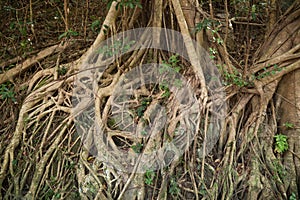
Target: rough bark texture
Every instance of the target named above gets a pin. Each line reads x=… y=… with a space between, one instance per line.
x=44 y=156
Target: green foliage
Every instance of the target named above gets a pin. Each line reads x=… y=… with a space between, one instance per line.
x=20 y=26
x=174 y=189
x=125 y=3
x=117 y=48
x=170 y=68
x=15 y=162
x=174 y=61
x=244 y=8
x=203 y=190
x=91 y=189
x=96 y=26
x=137 y=148
x=70 y=165
x=172 y=64
x=143 y=132
x=129 y=4
x=24 y=44
x=142 y=108
x=212 y=53
x=253 y=11
x=217 y=40
x=281 y=143
x=293 y=196
x=265 y=73
x=49 y=193
x=111 y=122
x=178 y=83
x=279 y=169
x=7 y=91
x=164 y=68
x=62 y=70
x=149 y=176
x=68 y=34
x=19 y=29
x=140 y=111
x=289 y=125
x=235 y=78
x=206 y=24
x=42 y=82
x=164 y=86
x=209 y=24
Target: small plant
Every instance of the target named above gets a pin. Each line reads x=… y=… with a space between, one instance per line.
x=265 y=73
x=212 y=53
x=165 y=87
x=68 y=34
x=7 y=91
x=174 y=189
x=281 y=143
x=178 y=83
x=253 y=11
x=293 y=196
x=218 y=40
x=288 y=125
x=70 y=165
x=20 y=26
x=170 y=68
x=206 y=24
x=96 y=26
x=62 y=71
x=137 y=148
x=142 y=108
x=279 y=169
x=129 y=4
x=143 y=132
x=149 y=176
x=174 y=61
x=125 y=3
x=48 y=192
x=203 y=190
x=117 y=48
x=235 y=78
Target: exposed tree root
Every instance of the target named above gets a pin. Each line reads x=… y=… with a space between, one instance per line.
x=45 y=156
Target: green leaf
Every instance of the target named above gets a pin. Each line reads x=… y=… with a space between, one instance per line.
x=178 y=83
x=63 y=35
x=14 y=162
x=73 y=33
x=140 y=110
x=143 y=132
x=253 y=11
x=281 y=143
x=137 y=148
x=174 y=189
x=293 y=196
x=288 y=125
x=149 y=176
x=177 y=69
x=7 y=92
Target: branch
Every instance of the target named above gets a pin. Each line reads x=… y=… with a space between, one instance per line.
x=190 y=48
x=10 y=74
